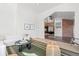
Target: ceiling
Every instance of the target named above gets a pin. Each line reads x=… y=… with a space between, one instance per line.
x=64 y=15
x=41 y=7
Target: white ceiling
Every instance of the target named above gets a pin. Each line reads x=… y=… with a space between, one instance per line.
x=65 y=15
x=41 y=7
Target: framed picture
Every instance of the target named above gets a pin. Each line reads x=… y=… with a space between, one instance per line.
x=32 y=26
x=26 y=26
x=29 y=26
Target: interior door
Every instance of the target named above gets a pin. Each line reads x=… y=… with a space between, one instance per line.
x=67 y=29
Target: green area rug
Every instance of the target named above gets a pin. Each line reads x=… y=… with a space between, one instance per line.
x=34 y=51
x=37 y=49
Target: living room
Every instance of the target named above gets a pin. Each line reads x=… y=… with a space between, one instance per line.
x=19 y=19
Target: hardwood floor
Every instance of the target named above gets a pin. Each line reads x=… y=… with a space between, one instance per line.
x=66 y=48
x=62 y=39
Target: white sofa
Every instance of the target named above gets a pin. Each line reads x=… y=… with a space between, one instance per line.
x=7 y=41
x=3 y=51
x=10 y=40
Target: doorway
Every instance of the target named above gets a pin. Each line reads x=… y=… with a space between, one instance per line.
x=67 y=29
x=49 y=27
x=59 y=26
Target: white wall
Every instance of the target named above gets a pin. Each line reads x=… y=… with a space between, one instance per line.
x=25 y=15
x=76 y=24
x=64 y=8
x=7 y=19
x=39 y=27
x=13 y=17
